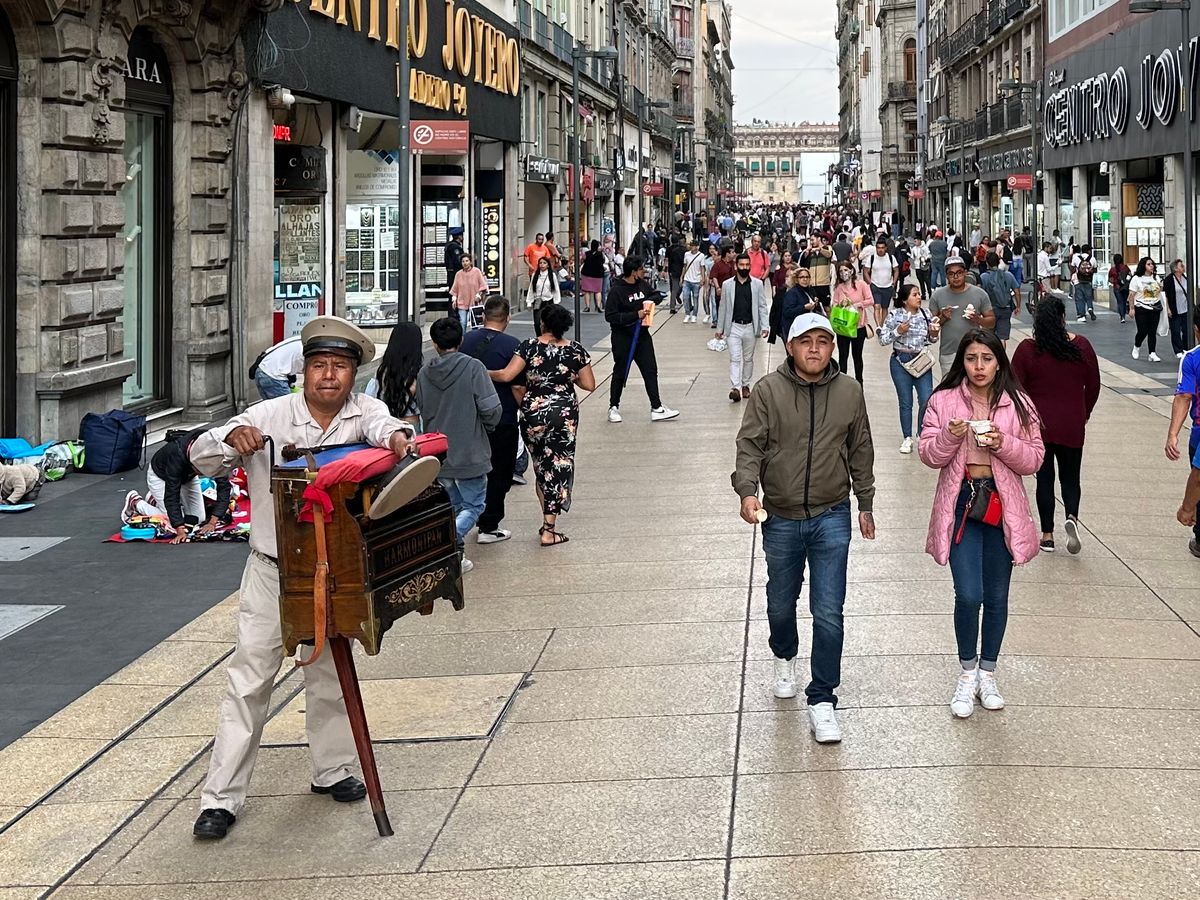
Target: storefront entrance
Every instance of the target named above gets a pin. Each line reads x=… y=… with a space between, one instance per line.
x=8 y=230
x=146 y=318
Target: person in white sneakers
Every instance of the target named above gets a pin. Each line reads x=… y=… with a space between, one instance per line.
x=693 y=276
x=1146 y=295
x=805 y=508
x=982 y=433
x=625 y=311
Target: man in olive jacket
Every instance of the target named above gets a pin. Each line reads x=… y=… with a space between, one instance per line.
x=806 y=441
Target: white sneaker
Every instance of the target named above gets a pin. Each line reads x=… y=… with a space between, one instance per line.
x=614 y=414
x=785 y=678
x=663 y=413
x=823 y=723
x=130 y=509
x=1081 y=319
x=493 y=537
x=1073 y=543
x=963 y=703
x=989 y=693
x=1135 y=353
x=705 y=319
x=1179 y=356
x=906 y=445
x=1154 y=357
x=467 y=565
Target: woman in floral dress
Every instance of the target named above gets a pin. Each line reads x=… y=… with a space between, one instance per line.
x=554 y=367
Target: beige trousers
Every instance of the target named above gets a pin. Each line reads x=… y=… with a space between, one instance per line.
x=252 y=669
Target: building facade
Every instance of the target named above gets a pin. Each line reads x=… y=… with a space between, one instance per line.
x=117 y=126
x=714 y=131
x=1114 y=177
x=979 y=92
x=786 y=163
x=860 y=93
x=896 y=21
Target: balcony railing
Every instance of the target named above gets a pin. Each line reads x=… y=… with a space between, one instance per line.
x=976 y=30
x=683 y=109
x=556 y=41
x=900 y=90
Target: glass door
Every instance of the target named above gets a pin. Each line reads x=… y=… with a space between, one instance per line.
x=145 y=319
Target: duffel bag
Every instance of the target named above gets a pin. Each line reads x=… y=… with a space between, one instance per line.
x=113 y=441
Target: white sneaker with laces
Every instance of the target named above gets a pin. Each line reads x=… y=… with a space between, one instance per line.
x=614 y=414
x=785 y=678
x=493 y=537
x=963 y=703
x=467 y=565
x=663 y=413
x=1154 y=357
x=906 y=445
x=1074 y=545
x=823 y=723
x=705 y=319
x=1135 y=353
x=1081 y=319
x=989 y=693
x=131 y=506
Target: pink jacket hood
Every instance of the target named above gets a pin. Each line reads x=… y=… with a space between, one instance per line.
x=1021 y=455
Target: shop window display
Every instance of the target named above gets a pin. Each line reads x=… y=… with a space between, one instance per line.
x=372 y=263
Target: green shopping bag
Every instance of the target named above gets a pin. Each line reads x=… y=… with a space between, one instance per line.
x=844 y=320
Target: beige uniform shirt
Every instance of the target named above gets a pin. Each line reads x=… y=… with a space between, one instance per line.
x=288 y=421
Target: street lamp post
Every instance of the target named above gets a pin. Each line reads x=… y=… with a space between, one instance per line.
x=1185 y=104
x=1030 y=87
x=578 y=53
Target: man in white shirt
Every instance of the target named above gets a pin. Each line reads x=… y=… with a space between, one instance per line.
x=1045 y=268
x=327 y=412
x=921 y=263
x=693 y=275
x=882 y=273
x=275 y=370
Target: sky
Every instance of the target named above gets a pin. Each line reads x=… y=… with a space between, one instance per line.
x=788 y=73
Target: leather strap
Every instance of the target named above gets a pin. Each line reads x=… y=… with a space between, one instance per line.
x=320 y=580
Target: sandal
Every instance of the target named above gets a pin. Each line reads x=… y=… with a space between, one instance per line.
x=559 y=537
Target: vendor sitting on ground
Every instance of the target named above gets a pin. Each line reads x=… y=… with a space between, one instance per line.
x=173 y=490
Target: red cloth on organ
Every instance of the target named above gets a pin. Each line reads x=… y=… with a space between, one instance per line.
x=354 y=467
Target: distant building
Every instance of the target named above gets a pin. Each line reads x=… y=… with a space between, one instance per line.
x=785 y=162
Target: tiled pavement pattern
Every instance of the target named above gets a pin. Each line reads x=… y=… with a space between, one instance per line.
x=616 y=737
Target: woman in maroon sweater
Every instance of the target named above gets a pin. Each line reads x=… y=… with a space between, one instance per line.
x=1059 y=372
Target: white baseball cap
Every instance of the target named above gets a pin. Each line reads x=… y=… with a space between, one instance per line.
x=806 y=322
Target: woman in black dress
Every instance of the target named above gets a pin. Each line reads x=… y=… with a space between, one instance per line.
x=553 y=367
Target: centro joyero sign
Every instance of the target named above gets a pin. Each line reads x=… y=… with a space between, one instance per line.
x=1100 y=107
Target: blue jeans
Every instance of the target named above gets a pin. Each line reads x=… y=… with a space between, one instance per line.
x=1017 y=268
x=982 y=568
x=1084 y=295
x=1122 y=299
x=824 y=542
x=691 y=298
x=938 y=275
x=468 y=496
x=905 y=385
x=464 y=319
x=269 y=388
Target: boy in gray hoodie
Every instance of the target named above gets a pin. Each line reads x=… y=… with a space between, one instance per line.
x=457 y=398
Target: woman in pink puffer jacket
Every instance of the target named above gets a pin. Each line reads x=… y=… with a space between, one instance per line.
x=980 y=387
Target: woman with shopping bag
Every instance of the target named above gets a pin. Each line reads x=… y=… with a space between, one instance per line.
x=848 y=315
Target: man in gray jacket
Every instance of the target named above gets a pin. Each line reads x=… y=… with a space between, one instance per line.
x=806 y=441
x=457 y=398
x=743 y=319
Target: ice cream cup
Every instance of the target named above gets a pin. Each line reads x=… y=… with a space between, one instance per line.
x=980 y=428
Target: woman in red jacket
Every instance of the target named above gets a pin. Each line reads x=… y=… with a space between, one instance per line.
x=1059 y=372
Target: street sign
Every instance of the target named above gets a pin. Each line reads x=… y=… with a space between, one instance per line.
x=653 y=189
x=440 y=136
x=701 y=195
x=1020 y=182
x=916 y=193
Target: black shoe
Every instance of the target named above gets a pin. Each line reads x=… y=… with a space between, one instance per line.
x=1092 y=313
x=213 y=824
x=345 y=791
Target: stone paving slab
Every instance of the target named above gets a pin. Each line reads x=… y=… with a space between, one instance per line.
x=619 y=688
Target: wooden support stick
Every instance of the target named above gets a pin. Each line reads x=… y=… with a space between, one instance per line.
x=343 y=660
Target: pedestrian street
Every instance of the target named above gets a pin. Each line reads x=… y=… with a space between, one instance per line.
x=598 y=722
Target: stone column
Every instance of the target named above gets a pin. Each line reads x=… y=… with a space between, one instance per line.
x=1079 y=197
x=1173 y=210
x=1049 y=203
